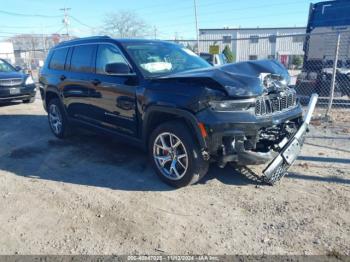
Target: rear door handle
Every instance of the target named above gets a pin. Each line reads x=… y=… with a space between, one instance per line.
x=96 y=82
x=63 y=77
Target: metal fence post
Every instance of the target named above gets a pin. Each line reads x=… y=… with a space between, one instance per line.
x=334 y=74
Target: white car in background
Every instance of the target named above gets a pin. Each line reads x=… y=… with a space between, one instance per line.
x=215 y=60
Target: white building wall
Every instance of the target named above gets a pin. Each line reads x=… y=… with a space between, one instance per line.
x=7 y=52
x=265 y=48
x=215 y=37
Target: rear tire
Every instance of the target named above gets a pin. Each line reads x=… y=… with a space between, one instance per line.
x=57 y=118
x=175 y=155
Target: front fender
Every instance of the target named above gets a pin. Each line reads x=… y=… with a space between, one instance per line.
x=190 y=119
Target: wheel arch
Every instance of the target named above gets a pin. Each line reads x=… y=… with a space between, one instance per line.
x=156 y=115
x=50 y=94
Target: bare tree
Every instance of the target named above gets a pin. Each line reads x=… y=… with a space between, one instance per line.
x=125 y=24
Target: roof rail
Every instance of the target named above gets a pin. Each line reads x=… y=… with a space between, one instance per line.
x=84 y=38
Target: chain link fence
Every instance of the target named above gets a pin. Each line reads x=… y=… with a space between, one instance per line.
x=317 y=63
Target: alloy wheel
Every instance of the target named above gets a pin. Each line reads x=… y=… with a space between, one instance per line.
x=170 y=155
x=55 y=118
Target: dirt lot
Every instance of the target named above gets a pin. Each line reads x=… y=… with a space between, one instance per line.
x=92 y=195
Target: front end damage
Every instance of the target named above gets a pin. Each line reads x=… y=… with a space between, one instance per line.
x=250 y=114
x=263 y=125
x=289 y=152
x=275 y=140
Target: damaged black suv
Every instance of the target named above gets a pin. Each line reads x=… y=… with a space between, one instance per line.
x=166 y=99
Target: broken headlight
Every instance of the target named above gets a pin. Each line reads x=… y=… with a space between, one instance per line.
x=272 y=80
x=232 y=105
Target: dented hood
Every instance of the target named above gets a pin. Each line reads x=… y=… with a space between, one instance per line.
x=239 y=79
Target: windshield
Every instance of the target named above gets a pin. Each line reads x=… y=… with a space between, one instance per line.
x=159 y=59
x=6 y=67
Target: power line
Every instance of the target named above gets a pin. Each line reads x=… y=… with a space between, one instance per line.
x=27 y=15
x=81 y=23
x=22 y=35
x=236 y=9
x=240 y=18
x=30 y=27
x=59 y=30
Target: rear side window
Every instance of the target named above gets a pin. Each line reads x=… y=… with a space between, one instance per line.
x=58 y=59
x=81 y=60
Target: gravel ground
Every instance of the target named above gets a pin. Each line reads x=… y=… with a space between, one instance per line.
x=92 y=195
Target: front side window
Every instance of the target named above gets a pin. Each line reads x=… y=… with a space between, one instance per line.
x=108 y=54
x=82 y=58
x=159 y=58
x=6 y=67
x=58 y=59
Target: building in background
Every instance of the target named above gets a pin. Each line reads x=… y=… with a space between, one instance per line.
x=30 y=50
x=281 y=43
x=7 y=52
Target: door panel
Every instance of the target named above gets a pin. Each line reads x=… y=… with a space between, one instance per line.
x=114 y=96
x=114 y=100
x=77 y=83
x=76 y=92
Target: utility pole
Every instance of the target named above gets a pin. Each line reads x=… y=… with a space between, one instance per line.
x=44 y=39
x=155 y=32
x=65 y=20
x=176 y=36
x=196 y=18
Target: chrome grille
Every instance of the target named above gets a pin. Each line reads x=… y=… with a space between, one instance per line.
x=269 y=105
x=11 y=82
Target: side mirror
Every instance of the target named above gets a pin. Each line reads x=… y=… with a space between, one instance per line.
x=117 y=69
x=18 y=68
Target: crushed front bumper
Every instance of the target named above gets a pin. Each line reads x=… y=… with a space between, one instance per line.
x=289 y=153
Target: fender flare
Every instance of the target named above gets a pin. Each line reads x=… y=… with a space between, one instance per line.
x=188 y=116
x=54 y=90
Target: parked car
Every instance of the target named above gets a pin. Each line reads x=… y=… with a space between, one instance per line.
x=15 y=85
x=166 y=99
x=215 y=60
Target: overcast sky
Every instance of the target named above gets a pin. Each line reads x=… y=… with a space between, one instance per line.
x=169 y=16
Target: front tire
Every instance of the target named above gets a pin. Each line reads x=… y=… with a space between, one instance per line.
x=57 y=119
x=29 y=101
x=175 y=155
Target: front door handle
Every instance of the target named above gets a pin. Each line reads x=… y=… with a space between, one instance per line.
x=63 y=77
x=96 y=82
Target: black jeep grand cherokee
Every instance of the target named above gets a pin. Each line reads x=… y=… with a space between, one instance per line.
x=166 y=99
